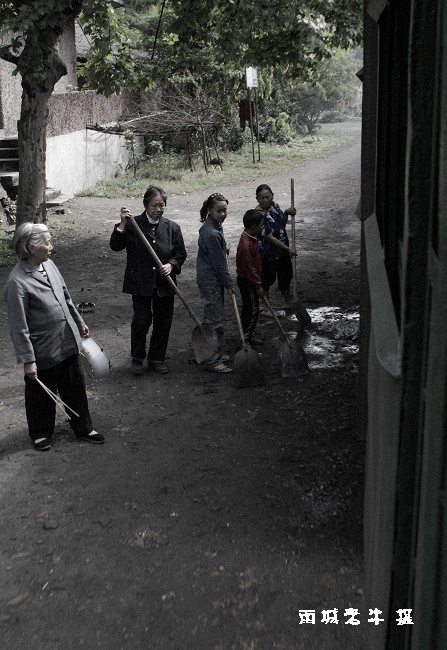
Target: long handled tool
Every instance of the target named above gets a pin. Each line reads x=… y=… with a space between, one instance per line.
x=292 y=355
x=56 y=399
x=248 y=371
x=204 y=338
x=297 y=306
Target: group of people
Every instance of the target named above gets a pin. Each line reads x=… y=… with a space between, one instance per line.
x=46 y=328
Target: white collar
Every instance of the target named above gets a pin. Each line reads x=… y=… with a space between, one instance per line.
x=152 y=222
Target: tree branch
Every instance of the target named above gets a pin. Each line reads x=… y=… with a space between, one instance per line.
x=8 y=56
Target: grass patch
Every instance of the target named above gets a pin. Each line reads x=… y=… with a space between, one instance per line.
x=57 y=223
x=60 y=222
x=238 y=167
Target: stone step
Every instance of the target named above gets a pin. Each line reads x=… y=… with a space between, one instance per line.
x=10 y=182
x=51 y=194
x=9 y=142
x=9 y=166
x=8 y=154
x=9 y=178
x=60 y=199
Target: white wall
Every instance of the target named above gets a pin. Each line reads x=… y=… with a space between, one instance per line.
x=80 y=159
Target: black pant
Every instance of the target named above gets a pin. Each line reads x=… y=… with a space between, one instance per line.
x=250 y=307
x=281 y=268
x=66 y=378
x=148 y=310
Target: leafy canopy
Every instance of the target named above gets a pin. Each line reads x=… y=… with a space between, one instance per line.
x=186 y=42
x=30 y=31
x=290 y=34
x=188 y=45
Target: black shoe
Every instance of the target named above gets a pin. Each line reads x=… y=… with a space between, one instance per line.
x=159 y=367
x=93 y=436
x=42 y=444
x=137 y=367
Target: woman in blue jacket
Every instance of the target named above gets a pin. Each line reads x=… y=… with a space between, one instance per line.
x=276 y=253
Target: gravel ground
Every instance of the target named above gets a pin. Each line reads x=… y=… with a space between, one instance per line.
x=214 y=517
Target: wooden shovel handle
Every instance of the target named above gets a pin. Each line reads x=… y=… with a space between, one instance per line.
x=239 y=323
x=273 y=313
x=159 y=263
x=292 y=203
x=236 y=313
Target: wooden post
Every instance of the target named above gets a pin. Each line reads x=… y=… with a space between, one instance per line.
x=257 y=124
x=215 y=149
x=204 y=154
x=251 y=123
x=188 y=151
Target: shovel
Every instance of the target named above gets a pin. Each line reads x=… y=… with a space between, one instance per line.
x=292 y=355
x=247 y=366
x=297 y=306
x=204 y=338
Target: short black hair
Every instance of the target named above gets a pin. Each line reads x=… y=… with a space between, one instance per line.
x=252 y=218
x=152 y=191
x=263 y=187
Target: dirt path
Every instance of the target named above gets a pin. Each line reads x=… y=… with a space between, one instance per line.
x=213 y=516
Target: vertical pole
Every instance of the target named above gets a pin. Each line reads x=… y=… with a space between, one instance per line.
x=215 y=149
x=251 y=123
x=188 y=150
x=257 y=124
x=292 y=205
x=204 y=153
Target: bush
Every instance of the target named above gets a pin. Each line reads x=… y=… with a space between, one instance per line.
x=275 y=129
x=231 y=137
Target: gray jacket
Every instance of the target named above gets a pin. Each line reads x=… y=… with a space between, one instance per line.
x=212 y=269
x=43 y=321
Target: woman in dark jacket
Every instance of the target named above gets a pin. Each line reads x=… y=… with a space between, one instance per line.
x=152 y=295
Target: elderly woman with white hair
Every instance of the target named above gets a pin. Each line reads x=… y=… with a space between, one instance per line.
x=46 y=331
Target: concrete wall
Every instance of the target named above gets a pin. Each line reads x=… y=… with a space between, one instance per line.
x=80 y=159
x=11 y=95
x=70 y=112
x=77 y=157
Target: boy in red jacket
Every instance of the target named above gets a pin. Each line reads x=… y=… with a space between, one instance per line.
x=248 y=269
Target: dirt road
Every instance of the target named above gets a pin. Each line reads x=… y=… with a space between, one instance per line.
x=213 y=518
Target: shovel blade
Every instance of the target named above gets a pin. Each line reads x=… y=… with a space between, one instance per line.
x=293 y=360
x=204 y=342
x=248 y=371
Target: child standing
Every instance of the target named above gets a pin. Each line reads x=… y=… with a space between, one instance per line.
x=248 y=269
x=213 y=276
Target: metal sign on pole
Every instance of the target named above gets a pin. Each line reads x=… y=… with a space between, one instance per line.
x=252 y=82
x=252 y=77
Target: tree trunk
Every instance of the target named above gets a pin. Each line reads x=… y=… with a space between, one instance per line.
x=31 y=205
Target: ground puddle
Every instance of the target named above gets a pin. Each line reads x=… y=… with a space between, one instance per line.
x=331 y=340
